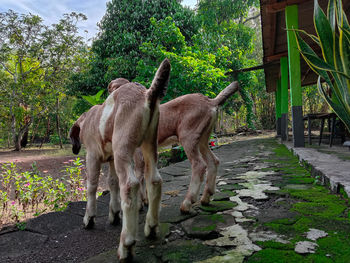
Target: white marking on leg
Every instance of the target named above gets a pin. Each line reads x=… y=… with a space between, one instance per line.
x=154 y=186
x=91 y=203
x=129 y=204
x=107 y=111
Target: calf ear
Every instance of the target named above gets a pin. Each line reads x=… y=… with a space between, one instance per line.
x=116 y=83
x=161 y=79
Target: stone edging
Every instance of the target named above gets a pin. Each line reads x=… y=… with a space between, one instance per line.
x=328 y=169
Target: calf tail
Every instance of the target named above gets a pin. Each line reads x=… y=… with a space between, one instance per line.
x=226 y=93
x=159 y=84
x=74 y=138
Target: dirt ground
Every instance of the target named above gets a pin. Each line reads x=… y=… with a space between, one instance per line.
x=50 y=160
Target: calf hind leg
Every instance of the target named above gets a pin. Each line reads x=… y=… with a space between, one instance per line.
x=139 y=171
x=114 y=203
x=129 y=195
x=153 y=186
x=198 y=171
x=93 y=171
x=212 y=168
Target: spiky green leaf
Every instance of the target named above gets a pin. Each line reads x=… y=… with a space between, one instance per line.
x=324 y=32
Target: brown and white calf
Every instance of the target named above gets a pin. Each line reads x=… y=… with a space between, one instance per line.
x=189 y=120
x=111 y=132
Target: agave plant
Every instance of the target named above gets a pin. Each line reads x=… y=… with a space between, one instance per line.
x=333 y=68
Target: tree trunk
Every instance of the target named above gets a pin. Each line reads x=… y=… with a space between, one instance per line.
x=13 y=130
x=58 y=122
x=24 y=140
x=8 y=139
x=23 y=130
x=35 y=128
x=14 y=135
x=47 y=132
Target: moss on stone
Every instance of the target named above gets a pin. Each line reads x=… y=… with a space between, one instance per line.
x=344 y=194
x=218 y=206
x=217 y=218
x=301 y=180
x=276 y=245
x=287 y=230
x=271 y=255
x=187 y=251
x=316 y=208
x=336 y=247
x=287 y=221
x=315 y=194
x=231 y=187
x=328 y=209
x=204 y=228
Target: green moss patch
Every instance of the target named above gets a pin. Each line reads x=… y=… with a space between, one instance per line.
x=319 y=209
x=271 y=255
x=231 y=187
x=301 y=180
x=276 y=245
x=187 y=251
x=218 y=206
x=223 y=196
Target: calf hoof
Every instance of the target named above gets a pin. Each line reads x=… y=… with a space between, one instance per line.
x=125 y=254
x=89 y=222
x=185 y=207
x=114 y=218
x=151 y=232
x=205 y=200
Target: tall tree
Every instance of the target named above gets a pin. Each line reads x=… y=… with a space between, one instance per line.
x=124 y=27
x=32 y=56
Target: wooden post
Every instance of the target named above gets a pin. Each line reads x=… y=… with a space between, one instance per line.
x=284 y=98
x=291 y=13
x=278 y=107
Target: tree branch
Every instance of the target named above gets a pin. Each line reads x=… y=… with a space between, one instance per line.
x=31 y=70
x=6 y=68
x=251 y=18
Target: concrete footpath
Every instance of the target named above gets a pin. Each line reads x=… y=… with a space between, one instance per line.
x=330 y=164
x=267 y=208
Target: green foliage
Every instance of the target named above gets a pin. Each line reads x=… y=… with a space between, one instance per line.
x=215 y=12
x=333 y=36
x=33 y=193
x=124 y=27
x=95 y=99
x=249 y=104
x=193 y=70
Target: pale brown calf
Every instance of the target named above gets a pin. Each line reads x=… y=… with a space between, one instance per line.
x=111 y=133
x=189 y=120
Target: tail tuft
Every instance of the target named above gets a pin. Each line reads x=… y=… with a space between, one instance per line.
x=74 y=138
x=160 y=82
x=226 y=93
